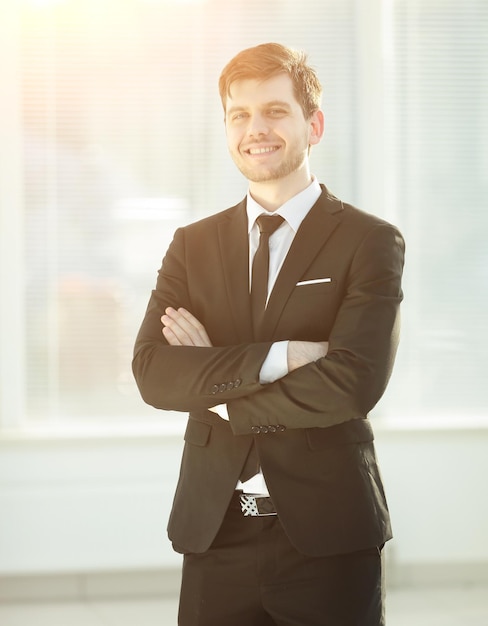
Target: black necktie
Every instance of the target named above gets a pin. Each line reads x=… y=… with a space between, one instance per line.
x=259 y=294
x=260 y=268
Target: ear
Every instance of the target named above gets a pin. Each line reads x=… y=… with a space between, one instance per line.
x=317 y=125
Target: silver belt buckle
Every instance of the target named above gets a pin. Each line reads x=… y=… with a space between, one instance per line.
x=253 y=505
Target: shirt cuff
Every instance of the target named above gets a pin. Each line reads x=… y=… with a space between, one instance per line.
x=275 y=365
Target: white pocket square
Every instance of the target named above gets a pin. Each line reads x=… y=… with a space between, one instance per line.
x=314 y=281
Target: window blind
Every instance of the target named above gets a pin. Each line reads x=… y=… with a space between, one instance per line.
x=124 y=141
x=437 y=103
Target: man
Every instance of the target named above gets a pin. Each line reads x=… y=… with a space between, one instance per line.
x=278 y=384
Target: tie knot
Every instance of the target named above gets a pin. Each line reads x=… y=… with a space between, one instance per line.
x=269 y=223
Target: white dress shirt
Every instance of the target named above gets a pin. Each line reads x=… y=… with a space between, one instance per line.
x=275 y=365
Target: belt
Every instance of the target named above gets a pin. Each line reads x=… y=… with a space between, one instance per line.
x=254 y=505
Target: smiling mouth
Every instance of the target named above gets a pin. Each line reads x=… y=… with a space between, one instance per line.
x=267 y=150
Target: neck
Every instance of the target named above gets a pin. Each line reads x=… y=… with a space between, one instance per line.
x=274 y=193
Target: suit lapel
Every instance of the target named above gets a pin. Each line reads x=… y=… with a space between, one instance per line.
x=234 y=253
x=314 y=231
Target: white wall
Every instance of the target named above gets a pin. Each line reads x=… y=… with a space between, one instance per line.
x=86 y=504
x=100 y=503
x=436 y=485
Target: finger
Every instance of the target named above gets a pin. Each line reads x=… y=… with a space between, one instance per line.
x=176 y=331
x=189 y=330
x=186 y=329
x=201 y=333
x=170 y=337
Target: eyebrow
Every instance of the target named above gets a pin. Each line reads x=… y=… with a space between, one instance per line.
x=267 y=105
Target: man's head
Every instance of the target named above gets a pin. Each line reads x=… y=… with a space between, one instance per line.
x=271 y=100
x=269 y=60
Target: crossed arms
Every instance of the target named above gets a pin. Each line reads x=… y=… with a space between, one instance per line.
x=176 y=364
x=181 y=328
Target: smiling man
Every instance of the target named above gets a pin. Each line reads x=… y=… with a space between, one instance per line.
x=275 y=325
x=267 y=133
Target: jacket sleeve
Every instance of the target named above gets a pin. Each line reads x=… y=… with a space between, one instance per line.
x=187 y=378
x=350 y=380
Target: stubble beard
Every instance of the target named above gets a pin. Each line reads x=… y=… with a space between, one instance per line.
x=284 y=169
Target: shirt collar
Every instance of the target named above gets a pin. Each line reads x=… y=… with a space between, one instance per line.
x=293 y=210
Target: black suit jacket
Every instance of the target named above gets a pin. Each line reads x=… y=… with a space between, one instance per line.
x=319 y=464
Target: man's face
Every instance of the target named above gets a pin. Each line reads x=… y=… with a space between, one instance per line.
x=267 y=134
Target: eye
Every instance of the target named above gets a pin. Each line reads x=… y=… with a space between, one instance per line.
x=276 y=112
x=240 y=115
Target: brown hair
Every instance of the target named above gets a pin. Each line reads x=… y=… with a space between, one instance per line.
x=268 y=60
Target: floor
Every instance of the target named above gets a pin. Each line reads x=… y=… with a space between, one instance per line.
x=432 y=607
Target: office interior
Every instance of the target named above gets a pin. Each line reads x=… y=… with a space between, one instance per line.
x=112 y=137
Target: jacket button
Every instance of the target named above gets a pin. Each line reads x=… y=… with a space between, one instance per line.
x=215 y=389
x=280 y=427
x=237 y=382
x=230 y=386
x=272 y=429
x=255 y=429
x=222 y=388
x=264 y=429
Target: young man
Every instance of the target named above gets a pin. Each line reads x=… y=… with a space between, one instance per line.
x=278 y=351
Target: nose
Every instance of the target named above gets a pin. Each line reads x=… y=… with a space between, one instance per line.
x=257 y=126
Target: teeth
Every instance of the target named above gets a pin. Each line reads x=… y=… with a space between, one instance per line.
x=262 y=150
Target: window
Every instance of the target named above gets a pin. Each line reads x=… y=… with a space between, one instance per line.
x=437 y=134
x=121 y=135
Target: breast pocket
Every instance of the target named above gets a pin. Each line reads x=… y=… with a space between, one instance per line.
x=310 y=311
x=310 y=296
x=314 y=287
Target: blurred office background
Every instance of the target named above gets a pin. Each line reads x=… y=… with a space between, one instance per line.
x=111 y=137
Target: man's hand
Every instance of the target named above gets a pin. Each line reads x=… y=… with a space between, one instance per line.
x=181 y=328
x=303 y=352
